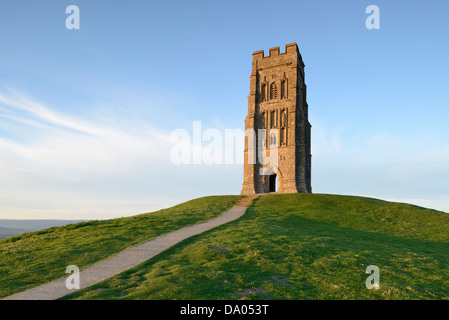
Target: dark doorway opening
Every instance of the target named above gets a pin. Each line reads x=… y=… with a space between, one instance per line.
x=272 y=183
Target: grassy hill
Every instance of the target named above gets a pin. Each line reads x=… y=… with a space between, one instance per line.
x=35 y=258
x=286 y=246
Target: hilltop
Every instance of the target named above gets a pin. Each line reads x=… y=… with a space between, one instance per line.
x=286 y=246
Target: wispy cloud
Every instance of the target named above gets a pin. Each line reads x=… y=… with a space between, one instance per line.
x=72 y=147
x=57 y=165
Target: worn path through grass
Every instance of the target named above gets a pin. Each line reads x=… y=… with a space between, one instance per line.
x=36 y=258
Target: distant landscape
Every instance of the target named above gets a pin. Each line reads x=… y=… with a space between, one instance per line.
x=11 y=227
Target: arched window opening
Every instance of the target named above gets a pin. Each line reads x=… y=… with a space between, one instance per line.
x=273 y=91
x=283 y=91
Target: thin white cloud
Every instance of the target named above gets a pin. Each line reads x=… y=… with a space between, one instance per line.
x=75 y=148
x=54 y=165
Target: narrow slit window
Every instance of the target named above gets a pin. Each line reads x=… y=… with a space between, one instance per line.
x=273 y=91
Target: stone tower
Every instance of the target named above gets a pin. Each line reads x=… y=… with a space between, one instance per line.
x=277 y=144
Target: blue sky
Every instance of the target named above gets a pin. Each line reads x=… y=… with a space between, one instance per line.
x=86 y=115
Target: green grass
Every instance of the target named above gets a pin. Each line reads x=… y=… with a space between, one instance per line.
x=300 y=246
x=35 y=258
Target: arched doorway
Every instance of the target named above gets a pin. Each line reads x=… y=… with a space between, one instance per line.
x=272 y=180
x=272 y=183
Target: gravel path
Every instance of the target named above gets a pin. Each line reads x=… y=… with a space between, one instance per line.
x=127 y=259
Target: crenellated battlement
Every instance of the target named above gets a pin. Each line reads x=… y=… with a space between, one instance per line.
x=291 y=48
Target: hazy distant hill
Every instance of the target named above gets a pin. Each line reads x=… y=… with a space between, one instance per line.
x=9 y=232
x=10 y=227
